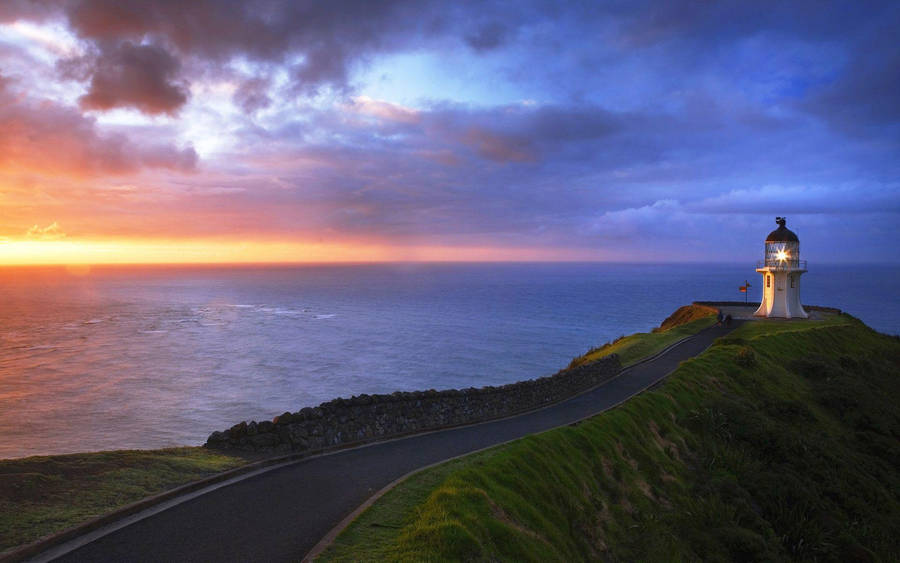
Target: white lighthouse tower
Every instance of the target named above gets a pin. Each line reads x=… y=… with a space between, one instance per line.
x=781 y=271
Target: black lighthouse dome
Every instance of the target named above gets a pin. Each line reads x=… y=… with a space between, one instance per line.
x=782 y=247
x=782 y=233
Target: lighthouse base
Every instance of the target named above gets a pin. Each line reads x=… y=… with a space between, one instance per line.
x=781 y=294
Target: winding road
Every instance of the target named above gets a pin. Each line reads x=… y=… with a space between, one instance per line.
x=281 y=514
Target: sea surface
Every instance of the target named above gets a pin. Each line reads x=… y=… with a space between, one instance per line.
x=147 y=357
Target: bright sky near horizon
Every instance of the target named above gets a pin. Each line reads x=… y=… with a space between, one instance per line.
x=278 y=130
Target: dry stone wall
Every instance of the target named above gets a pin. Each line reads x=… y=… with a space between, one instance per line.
x=366 y=418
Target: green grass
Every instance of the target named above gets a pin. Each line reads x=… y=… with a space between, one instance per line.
x=768 y=327
x=780 y=442
x=45 y=494
x=638 y=346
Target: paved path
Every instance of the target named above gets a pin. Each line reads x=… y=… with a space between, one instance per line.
x=280 y=515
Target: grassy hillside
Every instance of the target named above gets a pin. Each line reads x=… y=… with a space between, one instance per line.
x=41 y=495
x=778 y=443
x=686 y=321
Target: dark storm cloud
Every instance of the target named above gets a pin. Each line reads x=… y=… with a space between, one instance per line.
x=128 y=75
x=319 y=40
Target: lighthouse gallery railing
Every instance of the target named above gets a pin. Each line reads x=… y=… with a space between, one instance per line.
x=782 y=264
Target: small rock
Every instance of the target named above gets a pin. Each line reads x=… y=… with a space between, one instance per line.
x=238 y=430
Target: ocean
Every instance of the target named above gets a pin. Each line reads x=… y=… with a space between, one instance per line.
x=152 y=356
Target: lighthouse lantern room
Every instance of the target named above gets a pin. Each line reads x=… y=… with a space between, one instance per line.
x=781 y=271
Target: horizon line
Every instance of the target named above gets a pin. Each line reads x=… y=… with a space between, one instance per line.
x=80 y=265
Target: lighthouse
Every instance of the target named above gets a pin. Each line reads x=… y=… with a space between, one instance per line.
x=781 y=271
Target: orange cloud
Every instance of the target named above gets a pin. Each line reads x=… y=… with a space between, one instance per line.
x=50 y=232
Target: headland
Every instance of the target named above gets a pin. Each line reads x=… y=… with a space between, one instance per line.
x=745 y=350
x=780 y=442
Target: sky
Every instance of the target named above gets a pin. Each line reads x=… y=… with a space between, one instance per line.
x=293 y=131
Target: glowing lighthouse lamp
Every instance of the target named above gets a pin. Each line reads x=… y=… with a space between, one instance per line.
x=781 y=271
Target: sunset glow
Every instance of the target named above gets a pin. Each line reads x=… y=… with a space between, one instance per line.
x=231 y=132
x=226 y=251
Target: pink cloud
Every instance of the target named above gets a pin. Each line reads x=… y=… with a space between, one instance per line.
x=44 y=137
x=385 y=111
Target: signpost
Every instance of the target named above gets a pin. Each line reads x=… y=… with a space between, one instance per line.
x=743 y=289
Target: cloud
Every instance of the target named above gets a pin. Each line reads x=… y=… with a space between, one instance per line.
x=385 y=111
x=573 y=175
x=44 y=137
x=12 y=10
x=518 y=133
x=499 y=147
x=128 y=75
x=867 y=92
x=320 y=40
x=320 y=43
x=651 y=125
x=838 y=200
x=663 y=219
x=252 y=94
x=50 y=232
x=488 y=36
x=704 y=23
